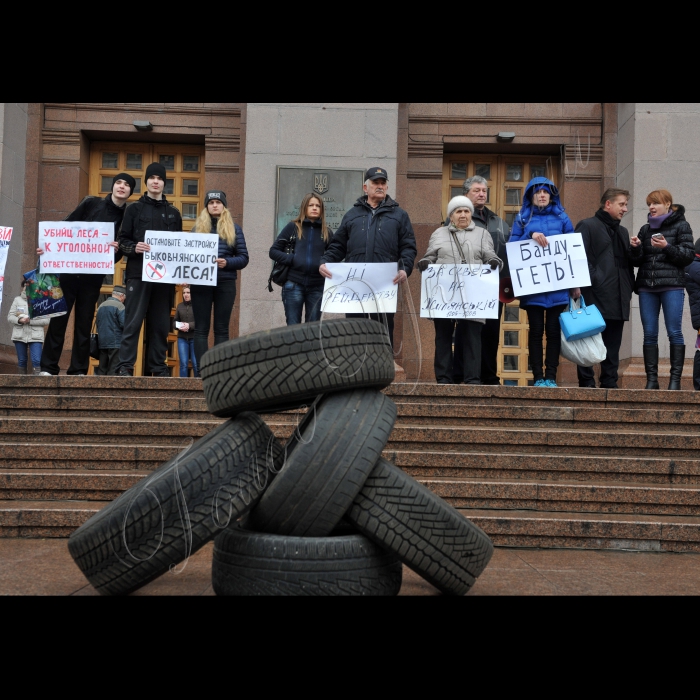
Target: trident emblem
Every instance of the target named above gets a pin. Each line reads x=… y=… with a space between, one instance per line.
x=321 y=183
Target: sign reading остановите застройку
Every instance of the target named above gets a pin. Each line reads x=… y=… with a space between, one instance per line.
x=561 y=265
x=78 y=247
x=459 y=292
x=358 y=288
x=181 y=258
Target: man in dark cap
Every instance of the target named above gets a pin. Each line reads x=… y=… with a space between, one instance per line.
x=80 y=290
x=110 y=325
x=146 y=300
x=375 y=230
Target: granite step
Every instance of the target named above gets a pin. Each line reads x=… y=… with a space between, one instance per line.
x=656 y=533
x=39 y=519
x=568 y=496
x=546 y=467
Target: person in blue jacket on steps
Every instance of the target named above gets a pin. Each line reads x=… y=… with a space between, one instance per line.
x=542 y=215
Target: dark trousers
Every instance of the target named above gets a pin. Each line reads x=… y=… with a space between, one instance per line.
x=388 y=325
x=222 y=298
x=153 y=302
x=469 y=334
x=612 y=339
x=543 y=320
x=109 y=360
x=696 y=371
x=490 y=341
x=81 y=293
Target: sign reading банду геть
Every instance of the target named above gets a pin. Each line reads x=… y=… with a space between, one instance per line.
x=338 y=189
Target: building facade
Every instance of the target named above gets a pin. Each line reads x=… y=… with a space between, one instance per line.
x=53 y=154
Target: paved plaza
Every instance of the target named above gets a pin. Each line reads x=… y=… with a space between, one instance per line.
x=45 y=568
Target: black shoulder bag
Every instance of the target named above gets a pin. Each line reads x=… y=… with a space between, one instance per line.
x=280 y=271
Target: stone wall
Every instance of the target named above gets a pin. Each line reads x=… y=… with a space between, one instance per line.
x=327 y=135
x=13 y=139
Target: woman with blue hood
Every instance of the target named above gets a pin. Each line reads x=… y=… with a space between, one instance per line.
x=542 y=215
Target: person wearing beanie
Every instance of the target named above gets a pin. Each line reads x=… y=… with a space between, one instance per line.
x=146 y=300
x=692 y=285
x=607 y=245
x=461 y=242
x=110 y=325
x=376 y=229
x=662 y=250
x=82 y=291
x=232 y=256
x=542 y=215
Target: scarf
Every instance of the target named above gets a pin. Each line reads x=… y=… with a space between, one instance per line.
x=620 y=249
x=655 y=222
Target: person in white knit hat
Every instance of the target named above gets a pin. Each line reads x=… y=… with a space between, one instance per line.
x=460 y=242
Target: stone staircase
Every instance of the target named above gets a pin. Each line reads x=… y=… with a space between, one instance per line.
x=574 y=468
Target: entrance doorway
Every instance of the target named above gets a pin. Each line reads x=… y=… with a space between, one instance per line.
x=507 y=178
x=184 y=188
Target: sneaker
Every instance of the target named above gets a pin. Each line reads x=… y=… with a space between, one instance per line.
x=123 y=373
x=43 y=374
x=540 y=383
x=551 y=384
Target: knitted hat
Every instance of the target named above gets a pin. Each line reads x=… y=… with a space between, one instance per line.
x=127 y=178
x=215 y=194
x=155 y=169
x=457 y=203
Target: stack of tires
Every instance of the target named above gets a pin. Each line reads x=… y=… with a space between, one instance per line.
x=324 y=514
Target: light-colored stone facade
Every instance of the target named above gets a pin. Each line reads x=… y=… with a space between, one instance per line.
x=331 y=135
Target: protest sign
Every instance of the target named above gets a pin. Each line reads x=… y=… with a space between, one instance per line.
x=77 y=246
x=5 y=238
x=181 y=258
x=358 y=288
x=459 y=292
x=561 y=265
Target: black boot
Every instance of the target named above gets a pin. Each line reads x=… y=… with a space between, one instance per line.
x=651 y=365
x=677 y=362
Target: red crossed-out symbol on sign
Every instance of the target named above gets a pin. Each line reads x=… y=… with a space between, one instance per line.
x=155 y=271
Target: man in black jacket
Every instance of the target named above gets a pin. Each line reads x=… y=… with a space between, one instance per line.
x=82 y=291
x=612 y=280
x=149 y=300
x=375 y=230
x=476 y=188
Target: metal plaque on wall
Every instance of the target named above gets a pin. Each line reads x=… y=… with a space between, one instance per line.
x=339 y=190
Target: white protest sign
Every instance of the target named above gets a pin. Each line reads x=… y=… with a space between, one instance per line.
x=459 y=291
x=77 y=246
x=561 y=265
x=358 y=288
x=181 y=258
x=5 y=238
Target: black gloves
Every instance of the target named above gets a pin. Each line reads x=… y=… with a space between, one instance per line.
x=423 y=265
x=494 y=264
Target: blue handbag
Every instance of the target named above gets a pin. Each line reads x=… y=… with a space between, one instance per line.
x=583 y=322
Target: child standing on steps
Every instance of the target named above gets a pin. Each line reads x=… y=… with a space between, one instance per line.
x=27 y=334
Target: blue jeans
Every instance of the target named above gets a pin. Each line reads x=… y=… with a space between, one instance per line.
x=649 y=308
x=34 y=350
x=295 y=296
x=185 y=349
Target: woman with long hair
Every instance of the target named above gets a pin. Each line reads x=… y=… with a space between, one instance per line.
x=232 y=256
x=27 y=333
x=309 y=236
x=662 y=250
x=542 y=215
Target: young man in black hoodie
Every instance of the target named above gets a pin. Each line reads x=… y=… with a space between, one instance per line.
x=82 y=291
x=149 y=300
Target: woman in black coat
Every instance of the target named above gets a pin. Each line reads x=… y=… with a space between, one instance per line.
x=662 y=250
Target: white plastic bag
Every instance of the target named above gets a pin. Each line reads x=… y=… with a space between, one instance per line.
x=585 y=352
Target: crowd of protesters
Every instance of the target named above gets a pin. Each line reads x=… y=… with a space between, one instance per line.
x=377 y=229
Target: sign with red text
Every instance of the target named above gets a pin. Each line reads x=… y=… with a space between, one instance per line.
x=5 y=238
x=79 y=247
x=361 y=288
x=181 y=258
x=459 y=292
x=561 y=265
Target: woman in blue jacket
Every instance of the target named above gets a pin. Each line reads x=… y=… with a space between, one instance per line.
x=303 y=290
x=542 y=215
x=231 y=257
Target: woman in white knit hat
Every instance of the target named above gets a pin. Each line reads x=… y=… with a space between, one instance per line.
x=460 y=242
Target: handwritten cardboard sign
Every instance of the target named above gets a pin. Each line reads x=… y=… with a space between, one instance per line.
x=361 y=288
x=5 y=238
x=181 y=258
x=77 y=247
x=459 y=292
x=561 y=265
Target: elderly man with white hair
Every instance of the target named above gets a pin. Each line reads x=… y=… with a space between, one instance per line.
x=459 y=242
